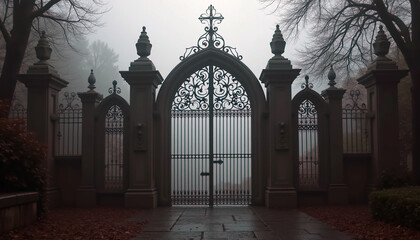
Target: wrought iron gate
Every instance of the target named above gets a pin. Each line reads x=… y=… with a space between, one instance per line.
x=308 y=145
x=211 y=140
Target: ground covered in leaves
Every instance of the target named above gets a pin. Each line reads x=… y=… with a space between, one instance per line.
x=358 y=222
x=76 y=223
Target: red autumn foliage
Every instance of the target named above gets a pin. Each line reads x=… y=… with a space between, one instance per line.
x=358 y=222
x=21 y=156
x=76 y=223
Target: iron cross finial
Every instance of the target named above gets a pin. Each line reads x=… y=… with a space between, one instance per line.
x=212 y=17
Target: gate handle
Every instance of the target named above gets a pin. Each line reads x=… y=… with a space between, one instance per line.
x=218 y=162
x=205 y=174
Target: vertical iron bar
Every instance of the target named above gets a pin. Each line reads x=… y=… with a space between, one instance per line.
x=177 y=159
x=211 y=113
x=196 y=154
x=357 y=129
x=317 y=149
x=241 y=156
x=188 y=152
x=72 y=130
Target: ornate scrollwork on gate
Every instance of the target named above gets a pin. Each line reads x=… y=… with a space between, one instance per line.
x=307 y=116
x=115 y=115
x=228 y=93
x=71 y=102
x=355 y=99
x=194 y=92
x=211 y=38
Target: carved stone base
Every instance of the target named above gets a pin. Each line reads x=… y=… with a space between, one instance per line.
x=280 y=197
x=134 y=198
x=86 y=197
x=338 y=194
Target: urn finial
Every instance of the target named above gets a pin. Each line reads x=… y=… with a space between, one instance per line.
x=331 y=77
x=277 y=44
x=43 y=49
x=381 y=44
x=143 y=44
x=91 y=80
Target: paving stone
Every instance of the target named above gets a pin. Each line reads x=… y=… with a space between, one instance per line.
x=234 y=223
x=229 y=235
x=169 y=236
x=246 y=226
x=267 y=236
x=198 y=228
x=239 y=217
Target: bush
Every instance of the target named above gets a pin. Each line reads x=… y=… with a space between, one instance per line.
x=21 y=156
x=388 y=180
x=398 y=205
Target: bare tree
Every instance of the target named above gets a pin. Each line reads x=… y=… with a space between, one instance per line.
x=18 y=18
x=103 y=60
x=342 y=32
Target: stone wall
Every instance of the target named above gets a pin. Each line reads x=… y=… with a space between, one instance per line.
x=356 y=173
x=17 y=210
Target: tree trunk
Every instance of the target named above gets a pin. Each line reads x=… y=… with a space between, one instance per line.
x=15 y=52
x=11 y=66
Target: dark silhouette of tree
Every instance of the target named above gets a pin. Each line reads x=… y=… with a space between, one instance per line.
x=70 y=63
x=18 y=18
x=342 y=33
x=103 y=60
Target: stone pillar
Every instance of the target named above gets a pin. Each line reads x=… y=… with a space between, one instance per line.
x=143 y=79
x=44 y=84
x=337 y=190
x=381 y=81
x=86 y=193
x=278 y=78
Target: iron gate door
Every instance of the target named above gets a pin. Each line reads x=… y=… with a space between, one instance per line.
x=211 y=140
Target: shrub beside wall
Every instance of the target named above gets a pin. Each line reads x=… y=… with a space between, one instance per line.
x=397 y=205
x=21 y=157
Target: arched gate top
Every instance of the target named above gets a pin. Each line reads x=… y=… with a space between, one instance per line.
x=307 y=93
x=113 y=99
x=210 y=56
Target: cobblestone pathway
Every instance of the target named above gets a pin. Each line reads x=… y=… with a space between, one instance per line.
x=229 y=223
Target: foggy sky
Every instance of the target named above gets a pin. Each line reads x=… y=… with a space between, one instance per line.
x=173 y=25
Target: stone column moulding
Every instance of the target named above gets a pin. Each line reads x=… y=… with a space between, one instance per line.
x=143 y=79
x=44 y=84
x=278 y=78
x=337 y=190
x=381 y=81
x=86 y=193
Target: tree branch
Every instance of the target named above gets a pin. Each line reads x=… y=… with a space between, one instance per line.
x=44 y=8
x=389 y=23
x=4 y=31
